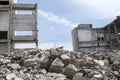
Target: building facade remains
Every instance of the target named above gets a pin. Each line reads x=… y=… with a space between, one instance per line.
x=17 y=18
x=87 y=38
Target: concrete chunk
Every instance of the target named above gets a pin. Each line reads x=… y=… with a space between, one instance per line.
x=70 y=71
x=44 y=60
x=78 y=76
x=66 y=59
x=12 y=77
x=56 y=66
x=14 y=66
x=31 y=61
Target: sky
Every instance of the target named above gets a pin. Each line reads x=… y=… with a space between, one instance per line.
x=57 y=18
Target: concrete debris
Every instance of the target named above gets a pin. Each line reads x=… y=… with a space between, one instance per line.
x=78 y=76
x=42 y=71
x=65 y=59
x=14 y=66
x=55 y=53
x=44 y=60
x=31 y=61
x=20 y=53
x=12 y=77
x=59 y=64
x=56 y=66
x=70 y=71
x=56 y=76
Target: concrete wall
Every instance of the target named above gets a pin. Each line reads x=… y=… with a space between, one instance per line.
x=81 y=36
x=91 y=49
x=3 y=48
x=12 y=22
x=88 y=38
x=4 y=20
x=84 y=35
x=75 y=40
x=4 y=26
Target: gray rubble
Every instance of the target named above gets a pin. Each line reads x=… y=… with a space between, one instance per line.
x=60 y=64
x=56 y=66
x=70 y=71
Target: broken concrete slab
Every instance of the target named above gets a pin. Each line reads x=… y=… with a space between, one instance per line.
x=31 y=61
x=78 y=76
x=70 y=71
x=66 y=59
x=56 y=76
x=14 y=66
x=44 y=61
x=54 y=53
x=12 y=77
x=56 y=66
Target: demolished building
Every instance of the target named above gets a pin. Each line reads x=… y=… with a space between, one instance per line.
x=87 y=38
x=17 y=18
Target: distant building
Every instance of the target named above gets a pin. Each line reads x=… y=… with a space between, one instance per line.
x=17 y=18
x=86 y=38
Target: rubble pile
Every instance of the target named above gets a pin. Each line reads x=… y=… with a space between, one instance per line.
x=59 y=64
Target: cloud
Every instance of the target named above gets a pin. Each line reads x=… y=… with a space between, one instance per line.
x=57 y=19
x=99 y=8
x=52 y=28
